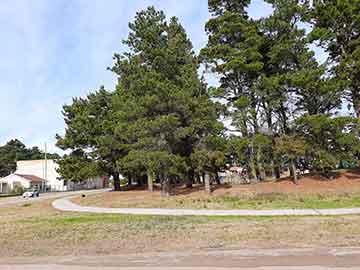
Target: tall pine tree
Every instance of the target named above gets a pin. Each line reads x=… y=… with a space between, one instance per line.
x=171 y=112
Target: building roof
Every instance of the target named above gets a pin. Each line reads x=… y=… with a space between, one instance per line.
x=31 y=178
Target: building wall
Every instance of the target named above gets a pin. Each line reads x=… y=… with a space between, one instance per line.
x=91 y=183
x=12 y=180
x=37 y=168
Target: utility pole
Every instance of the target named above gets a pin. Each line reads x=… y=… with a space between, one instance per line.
x=45 y=161
x=45 y=174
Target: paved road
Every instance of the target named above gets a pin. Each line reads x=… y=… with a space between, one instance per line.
x=64 y=204
x=284 y=259
x=57 y=267
x=44 y=196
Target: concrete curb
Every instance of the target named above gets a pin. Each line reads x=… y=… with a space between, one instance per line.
x=64 y=204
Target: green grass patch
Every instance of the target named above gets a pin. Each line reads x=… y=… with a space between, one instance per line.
x=83 y=219
x=257 y=202
x=288 y=201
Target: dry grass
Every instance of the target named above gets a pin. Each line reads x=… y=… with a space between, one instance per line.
x=201 y=200
x=38 y=230
x=312 y=192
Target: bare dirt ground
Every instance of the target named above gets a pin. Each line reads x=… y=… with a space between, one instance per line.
x=346 y=182
x=312 y=192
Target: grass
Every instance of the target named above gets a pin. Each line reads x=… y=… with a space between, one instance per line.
x=9 y=195
x=288 y=201
x=39 y=230
x=257 y=201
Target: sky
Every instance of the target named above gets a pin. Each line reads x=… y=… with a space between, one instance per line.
x=53 y=50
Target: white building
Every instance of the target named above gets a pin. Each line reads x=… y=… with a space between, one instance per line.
x=45 y=169
x=25 y=181
x=43 y=175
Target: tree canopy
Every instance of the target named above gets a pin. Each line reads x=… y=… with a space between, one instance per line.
x=162 y=122
x=273 y=85
x=159 y=114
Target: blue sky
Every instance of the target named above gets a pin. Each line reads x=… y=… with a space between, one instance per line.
x=53 y=50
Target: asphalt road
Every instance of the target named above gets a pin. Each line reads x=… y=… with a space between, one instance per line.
x=44 y=196
x=284 y=259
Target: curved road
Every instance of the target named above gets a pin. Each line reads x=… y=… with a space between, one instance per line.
x=64 y=204
x=44 y=196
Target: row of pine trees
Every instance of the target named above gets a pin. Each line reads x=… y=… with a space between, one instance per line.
x=285 y=110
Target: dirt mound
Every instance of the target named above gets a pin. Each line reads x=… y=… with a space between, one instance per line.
x=345 y=182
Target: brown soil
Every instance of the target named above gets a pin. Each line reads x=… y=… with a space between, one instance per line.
x=347 y=182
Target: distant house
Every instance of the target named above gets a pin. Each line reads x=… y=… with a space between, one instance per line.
x=25 y=181
x=43 y=174
x=45 y=169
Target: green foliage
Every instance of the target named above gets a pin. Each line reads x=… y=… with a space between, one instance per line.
x=160 y=162
x=238 y=148
x=76 y=167
x=158 y=114
x=336 y=28
x=271 y=80
x=329 y=140
x=163 y=121
x=171 y=110
x=90 y=136
x=18 y=190
x=290 y=146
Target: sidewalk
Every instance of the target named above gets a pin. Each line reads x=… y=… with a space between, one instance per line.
x=64 y=204
x=260 y=259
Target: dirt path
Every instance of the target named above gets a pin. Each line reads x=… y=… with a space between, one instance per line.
x=304 y=259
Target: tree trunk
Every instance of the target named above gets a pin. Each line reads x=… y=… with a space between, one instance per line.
x=190 y=180
x=203 y=178
x=129 y=177
x=262 y=172
x=272 y=165
x=165 y=187
x=293 y=169
x=252 y=174
x=277 y=172
x=207 y=183
x=116 y=178
x=150 y=181
x=198 y=178
x=217 y=178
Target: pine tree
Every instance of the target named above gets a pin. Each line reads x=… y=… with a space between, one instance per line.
x=166 y=104
x=337 y=29
x=233 y=52
x=269 y=78
x=90 y=137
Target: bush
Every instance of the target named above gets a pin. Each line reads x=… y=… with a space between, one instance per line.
x=18 y=190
